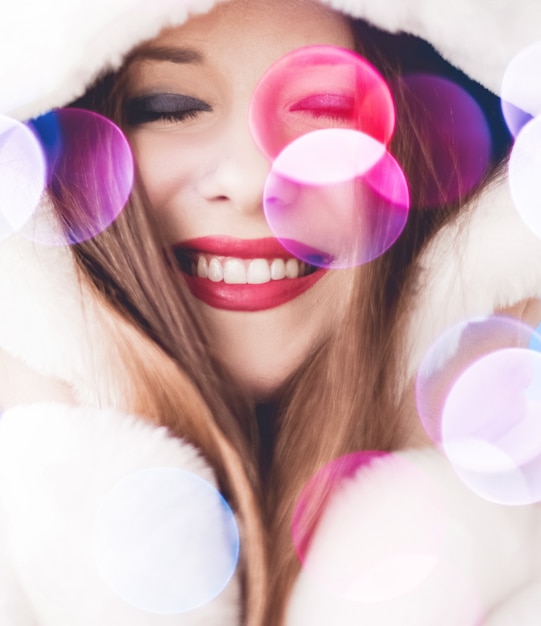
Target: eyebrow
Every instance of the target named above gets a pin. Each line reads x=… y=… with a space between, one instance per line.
x=172 y=54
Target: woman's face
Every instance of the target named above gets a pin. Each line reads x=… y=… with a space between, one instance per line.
x=188 y=97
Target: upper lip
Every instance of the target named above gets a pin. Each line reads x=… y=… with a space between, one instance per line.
x=226 y=246
x=221 y=245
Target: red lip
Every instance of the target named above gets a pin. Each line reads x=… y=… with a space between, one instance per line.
x=266 y=248
x=247 y=297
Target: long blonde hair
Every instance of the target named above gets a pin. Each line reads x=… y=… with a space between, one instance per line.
x=345 y=390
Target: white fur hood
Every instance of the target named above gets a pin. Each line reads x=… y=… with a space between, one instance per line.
x=54 y=50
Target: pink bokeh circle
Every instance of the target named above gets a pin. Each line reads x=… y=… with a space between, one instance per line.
x=347 y=536
x=318 y=87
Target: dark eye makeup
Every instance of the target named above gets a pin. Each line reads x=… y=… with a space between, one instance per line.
x=163 y=106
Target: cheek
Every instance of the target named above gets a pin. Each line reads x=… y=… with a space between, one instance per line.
x=168 y=167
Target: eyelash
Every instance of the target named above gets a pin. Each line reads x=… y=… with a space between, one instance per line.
x=326 y=106
x=164 y=107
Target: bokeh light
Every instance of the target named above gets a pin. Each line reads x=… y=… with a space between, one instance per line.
x=343 y=550
x=524 y=174
x=90 y=174
x=453 y=352
x=453 y=138
x=318 y=87
x=165 y=540
x=535 y=339
x=336 y=198
x=521 y=88
x=22 y=175
x=491 y=426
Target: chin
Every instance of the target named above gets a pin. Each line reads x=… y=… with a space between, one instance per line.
x=263 y=349
x=260 y=350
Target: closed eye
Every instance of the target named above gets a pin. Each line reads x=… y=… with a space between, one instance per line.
x=169 y=107
x=326 y=105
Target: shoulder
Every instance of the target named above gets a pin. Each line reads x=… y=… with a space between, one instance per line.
x=404 y=541
x=102 y=513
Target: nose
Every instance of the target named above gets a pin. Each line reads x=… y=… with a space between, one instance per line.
x=234 y=176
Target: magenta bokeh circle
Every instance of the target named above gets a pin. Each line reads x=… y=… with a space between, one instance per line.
x=22 y=175
x=345 y=550
x=90 y=174
x=336 y=198
x=318 y=87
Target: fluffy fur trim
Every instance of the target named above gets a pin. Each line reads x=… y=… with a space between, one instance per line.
x=52 y=51
x=404 y=542
x=476 y=36
x=50 y=322
x=57 y=464
x=488 y=259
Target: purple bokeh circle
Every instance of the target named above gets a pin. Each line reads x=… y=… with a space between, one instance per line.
x=336 y=198
x=491 y=426
x=453 y=138
x=90 y=175
x=452 y=353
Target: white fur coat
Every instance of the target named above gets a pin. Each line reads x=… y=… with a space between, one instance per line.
x=58 y=463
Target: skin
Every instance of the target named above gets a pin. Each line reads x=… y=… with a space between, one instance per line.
x=205 y=176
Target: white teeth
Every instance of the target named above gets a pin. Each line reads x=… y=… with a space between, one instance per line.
x=234 y=272
x=216 y=271
x=202 y=267
x=242 y=271
x=278 y=269
x=292 y=268
x=258 y=272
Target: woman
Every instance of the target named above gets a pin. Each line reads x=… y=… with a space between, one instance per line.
x=213 y=374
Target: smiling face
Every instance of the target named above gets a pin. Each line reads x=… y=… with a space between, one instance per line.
x=187 y=102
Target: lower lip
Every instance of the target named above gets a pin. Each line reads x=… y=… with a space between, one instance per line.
x=251 y=297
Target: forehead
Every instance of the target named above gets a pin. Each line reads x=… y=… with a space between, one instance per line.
x=256 y=32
